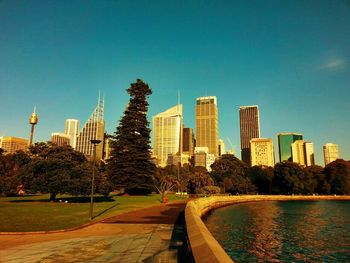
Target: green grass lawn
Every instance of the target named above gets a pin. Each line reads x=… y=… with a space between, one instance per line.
x=36 y=213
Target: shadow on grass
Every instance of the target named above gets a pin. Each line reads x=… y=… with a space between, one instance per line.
x=73 y=199
x=104 y=211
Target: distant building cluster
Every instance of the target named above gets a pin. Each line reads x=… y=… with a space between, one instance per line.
x=174 y=144
x=78 y=139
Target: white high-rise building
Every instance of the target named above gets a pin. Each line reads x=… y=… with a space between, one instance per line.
x=298 y=153
x=303 y=153
x=309 y=153
x=330 y=152
x=261 y=152
x=167 y=134
x=72 y=130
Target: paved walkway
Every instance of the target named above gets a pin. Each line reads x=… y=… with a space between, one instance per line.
x=148 y=235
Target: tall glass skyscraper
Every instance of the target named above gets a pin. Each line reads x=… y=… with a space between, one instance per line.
x=249 y=129
x=207 y=130
x=72 y=130
x=285 y=141
x=93 y=129
x=167 y=134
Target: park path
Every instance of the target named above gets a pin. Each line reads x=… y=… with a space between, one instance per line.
x=151 y=234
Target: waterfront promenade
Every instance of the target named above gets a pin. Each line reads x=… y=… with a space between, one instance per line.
x=151 y=234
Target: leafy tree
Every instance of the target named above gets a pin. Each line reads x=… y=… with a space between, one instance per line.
x=130 y=166
x=288 y=178
x=230 y=173
x=261 y=177
x=338 y=176
x=165 y=180
x=198 y=180
x=11 y=166
x=185 y=173
x=58 y=170
x=40 y=149
x=211 y=189
x=314 y=179
x=102 y=182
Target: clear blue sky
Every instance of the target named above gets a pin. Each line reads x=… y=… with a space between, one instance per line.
x=292 y=58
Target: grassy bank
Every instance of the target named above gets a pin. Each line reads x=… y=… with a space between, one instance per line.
x=36 y=213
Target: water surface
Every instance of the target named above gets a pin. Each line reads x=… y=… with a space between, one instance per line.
x=283 y=231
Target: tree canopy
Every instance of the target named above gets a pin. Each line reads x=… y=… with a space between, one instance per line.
x=57 y=170
x=130 y=166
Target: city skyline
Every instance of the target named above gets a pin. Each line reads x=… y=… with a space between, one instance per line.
x=297 y=70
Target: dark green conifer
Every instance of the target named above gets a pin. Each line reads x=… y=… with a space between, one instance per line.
x=130 y=166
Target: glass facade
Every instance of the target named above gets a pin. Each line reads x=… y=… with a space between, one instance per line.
x=93 y=129
x=167 y=134
x=285 y=141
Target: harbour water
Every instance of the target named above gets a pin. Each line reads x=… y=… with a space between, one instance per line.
x=283 y=231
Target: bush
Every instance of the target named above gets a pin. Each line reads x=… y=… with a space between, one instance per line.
x=211 y=189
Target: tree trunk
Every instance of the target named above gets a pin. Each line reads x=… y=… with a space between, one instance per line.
x=53 y=197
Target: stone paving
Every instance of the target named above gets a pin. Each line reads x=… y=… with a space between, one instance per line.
x=102 y=242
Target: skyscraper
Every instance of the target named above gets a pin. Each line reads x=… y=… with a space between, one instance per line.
x=207 y=130
x=72 y=130
x=330 y=152
x=187 y=141
x=309 y=153
x=93 y=129
x=249 y=129
x=261 y=152
x=298 y=152
x=167 y=134
x=285 y=141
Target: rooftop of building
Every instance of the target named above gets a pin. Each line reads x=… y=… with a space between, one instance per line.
x=247 y=107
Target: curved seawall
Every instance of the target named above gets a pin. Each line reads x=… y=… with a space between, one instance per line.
x=204 y=247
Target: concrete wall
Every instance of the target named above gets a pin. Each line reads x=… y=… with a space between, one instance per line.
x=203 y=245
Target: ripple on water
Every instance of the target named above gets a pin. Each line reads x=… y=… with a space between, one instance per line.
x=284 y=231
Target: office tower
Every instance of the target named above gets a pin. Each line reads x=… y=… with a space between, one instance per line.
x=330 y=152
x=92 y=130
x=107 y=149
x=187 y=141
x=249 y=129
x=298 y=152
x=309 y=153
x=167 y=134
x=72 y=130
x=203 y=158
x=207 y=130
x=33 y=120
x=285 y=141
x=222 y=148
x=13 y=144
x=261 y=152
x=60 y=139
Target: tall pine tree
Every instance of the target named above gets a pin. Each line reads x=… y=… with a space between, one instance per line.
x=130 y=166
